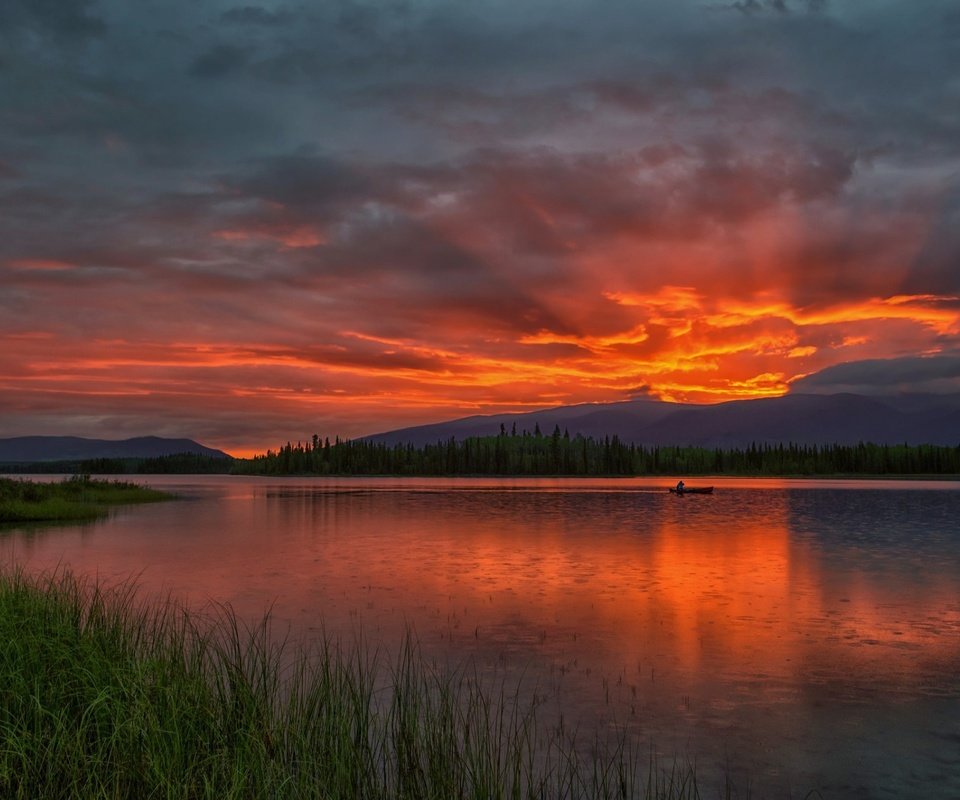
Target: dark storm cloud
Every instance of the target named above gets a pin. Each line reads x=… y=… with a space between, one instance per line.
x=254 y=15
x=220 y=60
x=476 y=173
x=778 y=6
x=934 y=374
x=361 y=354
x=936 y=268
x=313 y=183
x=583 y=196
x=63 y=20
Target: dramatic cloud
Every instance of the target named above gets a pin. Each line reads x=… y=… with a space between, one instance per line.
x=246 y=222
x=910 y=374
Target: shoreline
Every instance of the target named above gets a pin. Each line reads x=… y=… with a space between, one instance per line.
x=73 y=499
x=149 y=698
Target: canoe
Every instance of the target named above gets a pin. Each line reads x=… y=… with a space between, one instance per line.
x=693 y=490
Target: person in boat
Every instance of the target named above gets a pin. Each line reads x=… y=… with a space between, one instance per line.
x=680 y=485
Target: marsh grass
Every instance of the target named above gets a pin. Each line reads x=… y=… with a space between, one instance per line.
x=76 y=498
x=103 y=696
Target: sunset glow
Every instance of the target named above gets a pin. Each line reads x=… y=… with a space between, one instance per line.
x=277 y=223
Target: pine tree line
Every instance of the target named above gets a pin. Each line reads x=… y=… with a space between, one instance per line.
x=528 y=453
x=560 y=454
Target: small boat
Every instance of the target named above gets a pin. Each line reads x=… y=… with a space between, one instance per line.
x=692 y=490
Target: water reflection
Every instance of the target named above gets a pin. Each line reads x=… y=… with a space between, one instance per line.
x=810 y=635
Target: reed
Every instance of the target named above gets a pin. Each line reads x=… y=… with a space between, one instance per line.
x=76 y=498
x=104 y=696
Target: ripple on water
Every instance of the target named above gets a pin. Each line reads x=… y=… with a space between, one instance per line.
x=810 y=636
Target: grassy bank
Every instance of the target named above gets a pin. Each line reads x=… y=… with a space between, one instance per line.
x=77 y=498
x=103 y=697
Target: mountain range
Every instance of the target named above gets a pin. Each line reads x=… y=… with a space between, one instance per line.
x=798 y=418
x=24 y=449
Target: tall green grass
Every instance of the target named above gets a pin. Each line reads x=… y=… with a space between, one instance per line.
x=76 y=498
x=102 y=696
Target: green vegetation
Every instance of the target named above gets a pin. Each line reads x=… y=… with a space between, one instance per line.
x=105 y=697
x=77 y=498
x=527 y=453
x=177 y=463
x=560 y=454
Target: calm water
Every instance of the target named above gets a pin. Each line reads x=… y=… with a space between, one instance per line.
x=797 y=635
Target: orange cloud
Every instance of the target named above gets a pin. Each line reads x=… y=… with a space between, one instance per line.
x=921 y=309
x=41 y=265
x=292 y=237
x=364 y=361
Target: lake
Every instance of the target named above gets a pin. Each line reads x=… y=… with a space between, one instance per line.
x=793 y=635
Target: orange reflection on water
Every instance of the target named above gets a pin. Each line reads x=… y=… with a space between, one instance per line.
x=811 y=628
x=702 y=594
x=727 y=591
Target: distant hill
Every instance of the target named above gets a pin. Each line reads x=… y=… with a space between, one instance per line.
x=797 y=418
x=23 y=449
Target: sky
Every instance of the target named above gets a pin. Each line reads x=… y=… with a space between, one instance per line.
x=250 y=222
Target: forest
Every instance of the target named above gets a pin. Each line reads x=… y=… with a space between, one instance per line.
x=526 y=453
x=534 y=453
